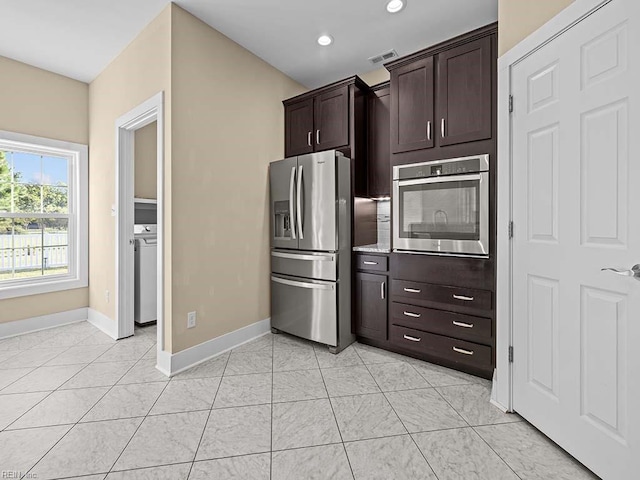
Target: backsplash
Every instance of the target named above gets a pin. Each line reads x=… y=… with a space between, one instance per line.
x=384 y=222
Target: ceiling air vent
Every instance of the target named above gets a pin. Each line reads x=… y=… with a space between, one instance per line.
x=383 y=57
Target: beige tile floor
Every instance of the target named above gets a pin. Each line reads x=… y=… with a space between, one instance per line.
x=76 y=404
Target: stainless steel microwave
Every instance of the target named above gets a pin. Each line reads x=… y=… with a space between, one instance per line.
x=442 y=206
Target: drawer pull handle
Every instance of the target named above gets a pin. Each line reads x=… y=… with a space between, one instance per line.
x=414 y=315
x=460 y=350
x=462 y=297
x=413 y=339
x=464 y=325
x=370 y=263
x=412 y=290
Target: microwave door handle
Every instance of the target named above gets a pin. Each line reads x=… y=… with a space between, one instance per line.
x=299 y=206
x=291 y=205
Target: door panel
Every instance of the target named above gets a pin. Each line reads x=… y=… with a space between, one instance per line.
x=332 y=119
x=412 y=105
x=604 y=325
x=299 y=128
x=379 y=143
x=282 y=213
x=574 y=164
x=317 y=202
x=371 y=306
x=464 y=93
x=305 y=308
x=604 y=196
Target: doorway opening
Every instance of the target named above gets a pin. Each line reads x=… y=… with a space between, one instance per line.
x=140 y=219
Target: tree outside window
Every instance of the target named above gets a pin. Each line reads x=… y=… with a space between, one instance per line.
x=34 y=215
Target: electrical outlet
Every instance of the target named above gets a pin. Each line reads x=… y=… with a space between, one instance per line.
x=191 y=319
x=107 y=296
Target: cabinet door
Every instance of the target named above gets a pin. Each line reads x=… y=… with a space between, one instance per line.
x=379 y=143
x=412 y=106
x=298 y=131
x=371 y=306
x=464 y=93
x=332 y=119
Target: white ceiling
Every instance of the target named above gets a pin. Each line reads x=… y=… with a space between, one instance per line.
x=75 y=38
x=78 y=38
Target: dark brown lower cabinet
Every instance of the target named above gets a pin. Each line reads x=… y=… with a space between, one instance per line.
x=371 y=305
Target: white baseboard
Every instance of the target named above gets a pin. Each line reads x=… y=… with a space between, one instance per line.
x=28 y=325
x=499 y=406
x=494 y=393
x=171 y=364
x=104 y=323
x=163 y=362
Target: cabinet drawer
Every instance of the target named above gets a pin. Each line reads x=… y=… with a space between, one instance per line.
x=442 y=295
x=460 y=351
x=457 y=271
x=454 y=325
x=372 y=263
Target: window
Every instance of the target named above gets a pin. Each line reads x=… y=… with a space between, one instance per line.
x=43 y=215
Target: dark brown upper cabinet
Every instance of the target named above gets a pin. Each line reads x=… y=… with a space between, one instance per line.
x=442 y=99
x=331 y=122
x=464 y=92
x=412 y=106
x=379 y=153
x=330 y=118
x=299 y=127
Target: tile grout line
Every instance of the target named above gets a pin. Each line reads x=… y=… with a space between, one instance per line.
x=206 y=423
x=494 y=451
x=38 y=366
x=210 y=410
x=400 y=419
x=75 y=424
x=51 y=392
x=469 y=425
x=450 y=405
x=143 y=418
x=335 y=418
x=273 y=351
x=135 y=469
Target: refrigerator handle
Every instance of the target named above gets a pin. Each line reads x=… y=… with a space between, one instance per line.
x=291 y=183
x=299 y=206
x=313 y=286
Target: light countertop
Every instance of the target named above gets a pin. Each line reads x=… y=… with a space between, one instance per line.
x=375 y=248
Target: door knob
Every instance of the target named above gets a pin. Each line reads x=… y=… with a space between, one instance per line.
x=634 y=272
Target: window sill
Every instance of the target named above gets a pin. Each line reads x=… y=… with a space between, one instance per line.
x=43 y=286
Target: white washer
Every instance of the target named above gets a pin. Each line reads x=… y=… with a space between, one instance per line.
x=146 y=273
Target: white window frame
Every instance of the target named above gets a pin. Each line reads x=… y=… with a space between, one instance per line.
x=78 y=249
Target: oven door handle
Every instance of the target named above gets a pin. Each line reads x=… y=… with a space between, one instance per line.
x=445 y=179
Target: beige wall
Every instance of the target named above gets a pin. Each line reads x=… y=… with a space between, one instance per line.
x=41 y=103
x=518 y=18
x=227 y=126
x=375 y=77
x=145 y=160
x=142 y=70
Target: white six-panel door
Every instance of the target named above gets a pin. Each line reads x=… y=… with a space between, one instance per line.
x=576 y=210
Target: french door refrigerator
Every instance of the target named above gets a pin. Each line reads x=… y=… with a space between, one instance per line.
x=311 y=209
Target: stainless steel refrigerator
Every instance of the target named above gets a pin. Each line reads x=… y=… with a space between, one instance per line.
x=311 y=210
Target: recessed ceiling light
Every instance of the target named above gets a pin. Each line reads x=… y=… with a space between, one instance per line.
x=325 y=40
x=394 y=6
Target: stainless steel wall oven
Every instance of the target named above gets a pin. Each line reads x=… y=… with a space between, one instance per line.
x=442 y=206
